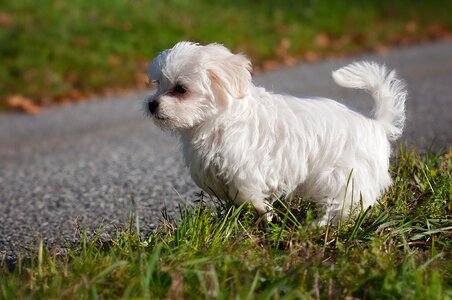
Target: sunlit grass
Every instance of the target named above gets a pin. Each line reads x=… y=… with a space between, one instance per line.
x=400 y=249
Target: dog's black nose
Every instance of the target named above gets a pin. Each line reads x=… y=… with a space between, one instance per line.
x=153 y=106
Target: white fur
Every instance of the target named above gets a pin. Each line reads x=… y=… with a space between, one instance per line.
x=244 y=143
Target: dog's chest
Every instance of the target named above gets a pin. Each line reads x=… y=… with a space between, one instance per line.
x=205 y=166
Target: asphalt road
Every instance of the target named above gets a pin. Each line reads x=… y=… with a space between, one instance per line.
x=85 y=162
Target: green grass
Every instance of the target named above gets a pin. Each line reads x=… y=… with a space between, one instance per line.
x=51 y=50
x=400 y=249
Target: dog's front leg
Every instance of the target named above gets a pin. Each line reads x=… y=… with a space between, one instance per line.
x=260 y=203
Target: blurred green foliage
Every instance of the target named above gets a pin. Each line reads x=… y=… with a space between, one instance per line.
x=53 y=49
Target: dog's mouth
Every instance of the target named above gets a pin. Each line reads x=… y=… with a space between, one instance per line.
x=160 y=117
x=157 y=114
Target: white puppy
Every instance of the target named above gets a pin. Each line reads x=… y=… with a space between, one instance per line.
x=244 y=143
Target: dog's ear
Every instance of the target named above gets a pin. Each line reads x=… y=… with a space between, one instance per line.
x=230 y=74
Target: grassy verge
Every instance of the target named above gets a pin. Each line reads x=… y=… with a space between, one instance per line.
x=54 y=50
x=400 y=249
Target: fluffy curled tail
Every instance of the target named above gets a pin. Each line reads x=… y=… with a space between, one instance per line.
x=387 y=90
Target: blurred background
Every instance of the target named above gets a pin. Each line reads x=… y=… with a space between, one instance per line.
x=55 y=51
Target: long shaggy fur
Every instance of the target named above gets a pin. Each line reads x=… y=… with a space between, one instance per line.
x=242 y=142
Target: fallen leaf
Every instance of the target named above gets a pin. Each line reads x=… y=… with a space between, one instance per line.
x=438 y=30
x=322 y=40
x=114 y=60
x=289 y=60
x=5 y=19
x=126 y=26
x=411 y=27
x=141 y=80
x=76 y=94
x=381 y=49
x=81 y=42
x=21 y=103
x=270 y=65
x=311 y=56
x=282 y=47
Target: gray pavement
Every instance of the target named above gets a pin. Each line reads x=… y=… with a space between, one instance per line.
x=84 y=163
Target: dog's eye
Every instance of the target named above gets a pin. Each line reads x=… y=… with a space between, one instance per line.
x=180 y=89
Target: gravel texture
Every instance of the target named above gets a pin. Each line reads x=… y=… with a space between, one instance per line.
x=95 y=162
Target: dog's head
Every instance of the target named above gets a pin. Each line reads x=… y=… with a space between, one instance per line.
x=194 y=83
